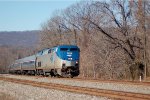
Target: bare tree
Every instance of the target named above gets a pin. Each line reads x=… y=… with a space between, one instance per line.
x=106 y=32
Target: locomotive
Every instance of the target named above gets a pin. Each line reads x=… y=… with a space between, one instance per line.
x=62 y=60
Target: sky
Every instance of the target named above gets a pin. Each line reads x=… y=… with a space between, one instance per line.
x=22 y=15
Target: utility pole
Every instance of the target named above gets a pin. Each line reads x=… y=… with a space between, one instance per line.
x=142 y=17
x=145 y=63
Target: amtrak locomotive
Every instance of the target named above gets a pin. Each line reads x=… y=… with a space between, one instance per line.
x=61 y=60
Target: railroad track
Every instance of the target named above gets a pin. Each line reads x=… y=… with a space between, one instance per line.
x=96 y=80
x=115 y=81
x=84 y=90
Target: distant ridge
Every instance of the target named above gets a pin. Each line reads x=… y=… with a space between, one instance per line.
x=19 y=38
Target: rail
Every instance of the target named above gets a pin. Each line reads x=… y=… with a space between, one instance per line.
x=84 y=90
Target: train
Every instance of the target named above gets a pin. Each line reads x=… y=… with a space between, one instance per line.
x=61 y=61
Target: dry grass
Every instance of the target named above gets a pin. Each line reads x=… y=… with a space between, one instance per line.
x=4 y=96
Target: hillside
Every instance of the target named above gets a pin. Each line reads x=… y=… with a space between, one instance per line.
x=19 y=38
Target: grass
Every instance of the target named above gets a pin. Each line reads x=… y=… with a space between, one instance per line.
x=4 y=96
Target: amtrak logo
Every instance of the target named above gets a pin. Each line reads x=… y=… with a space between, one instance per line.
x=69 y=54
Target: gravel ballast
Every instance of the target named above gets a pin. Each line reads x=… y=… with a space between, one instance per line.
x=101 y=85
x=26 y=92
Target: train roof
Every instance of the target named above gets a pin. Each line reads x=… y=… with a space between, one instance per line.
x=44 y=51
x=67 y=46
x=26 y=59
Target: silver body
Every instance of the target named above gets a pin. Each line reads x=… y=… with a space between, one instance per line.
x=43 y=62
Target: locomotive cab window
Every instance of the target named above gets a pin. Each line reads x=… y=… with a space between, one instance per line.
x=73 y=49
x=40 y=53
x=63 y=49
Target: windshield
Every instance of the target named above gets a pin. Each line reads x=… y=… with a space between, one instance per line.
x=73 y=49
x=63 y=49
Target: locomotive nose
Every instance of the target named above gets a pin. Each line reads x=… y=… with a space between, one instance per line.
x=70 y=63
